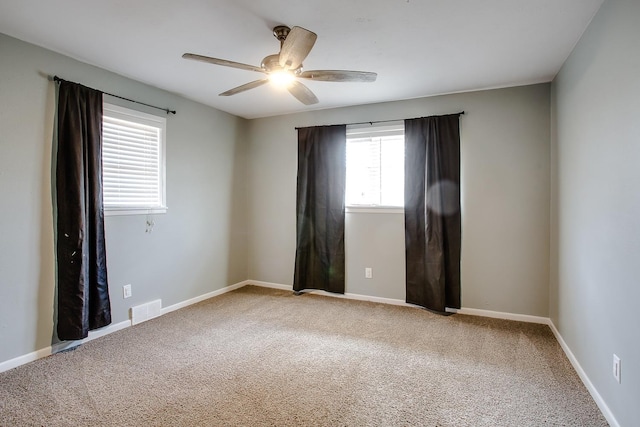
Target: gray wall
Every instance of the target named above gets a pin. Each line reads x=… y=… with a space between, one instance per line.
x=197 y=247
x=505 y=200
x=595 y=284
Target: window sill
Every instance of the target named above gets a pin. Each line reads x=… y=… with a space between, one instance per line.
x=134 y=211
x=374 y=209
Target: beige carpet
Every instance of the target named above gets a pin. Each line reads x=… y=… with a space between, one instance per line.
x=257 y=357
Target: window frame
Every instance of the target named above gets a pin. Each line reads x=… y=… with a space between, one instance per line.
x=374 y=130
x=138 y=117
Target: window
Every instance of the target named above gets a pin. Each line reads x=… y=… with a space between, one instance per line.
x=375 y=165
x=132 y=162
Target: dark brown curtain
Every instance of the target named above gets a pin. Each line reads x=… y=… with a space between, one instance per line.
x=322 y=172
x=432 y=211
x=83 y=294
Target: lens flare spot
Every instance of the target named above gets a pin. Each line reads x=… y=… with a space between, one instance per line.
x=444 y=198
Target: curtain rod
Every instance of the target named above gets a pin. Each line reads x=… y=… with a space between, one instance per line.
x=379 y=121
x=58 y=79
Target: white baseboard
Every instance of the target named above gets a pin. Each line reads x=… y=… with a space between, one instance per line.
x=26 y=358
x=585 y=379
x=359 y=297
x=60 y=346
x=208 y=295
x=500 y=315
x=269 y=285
x=65 y=345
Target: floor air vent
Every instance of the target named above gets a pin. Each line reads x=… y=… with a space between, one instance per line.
x=143 y=312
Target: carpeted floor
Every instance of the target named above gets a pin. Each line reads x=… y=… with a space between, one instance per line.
x=263 y=357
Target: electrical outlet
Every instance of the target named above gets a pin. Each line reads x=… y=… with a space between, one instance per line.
x=368 y=273
x=616 y=368
x=126 y=291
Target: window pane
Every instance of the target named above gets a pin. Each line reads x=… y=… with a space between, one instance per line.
x=363 y=172
x=375 y=169
x=132 y=159
x=392 y=165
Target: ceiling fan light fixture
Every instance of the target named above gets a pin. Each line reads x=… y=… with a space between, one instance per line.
x=281 y=78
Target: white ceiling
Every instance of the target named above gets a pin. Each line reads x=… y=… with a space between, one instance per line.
x=418 y=47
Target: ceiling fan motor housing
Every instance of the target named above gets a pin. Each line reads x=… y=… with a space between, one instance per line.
x=281 y=32
x=271 y=64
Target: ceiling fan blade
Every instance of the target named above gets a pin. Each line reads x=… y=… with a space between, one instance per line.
x=302 y=93
x=296 y=47
x=223 y=62
x=244 y=87
x=339 y=76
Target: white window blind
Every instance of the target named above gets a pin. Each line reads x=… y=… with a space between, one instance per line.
x=132 y=161
x=375 y=165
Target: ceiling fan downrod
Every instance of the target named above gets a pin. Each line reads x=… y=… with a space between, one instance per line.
x=281 y=32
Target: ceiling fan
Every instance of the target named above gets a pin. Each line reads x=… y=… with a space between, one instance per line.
x=285 y=67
